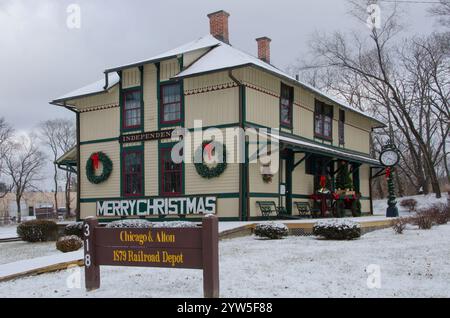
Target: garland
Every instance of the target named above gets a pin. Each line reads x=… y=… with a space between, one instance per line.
x=93 y=164
x=202 y=169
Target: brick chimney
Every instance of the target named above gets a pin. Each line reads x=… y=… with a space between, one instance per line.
x=218 y=22
x=264 y=48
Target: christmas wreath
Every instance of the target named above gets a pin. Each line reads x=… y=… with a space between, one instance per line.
x=93 y=164
x=204 y=170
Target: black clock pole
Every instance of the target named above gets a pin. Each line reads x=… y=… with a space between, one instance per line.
x=392 y=210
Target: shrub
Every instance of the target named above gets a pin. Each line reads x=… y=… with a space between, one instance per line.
x=424 y=219
x=38 y=231
x=272 y=230
x=399 y=225
x=337 y=229
x=68 y=244
x=411 y=204
x=74 y=229
x=439 y=213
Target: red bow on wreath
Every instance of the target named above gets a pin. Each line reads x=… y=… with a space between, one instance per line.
x=209 y=148
x=95 y=160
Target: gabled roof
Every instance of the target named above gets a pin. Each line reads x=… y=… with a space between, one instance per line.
x=207 y=41
x=91 y=89
x=222 y=56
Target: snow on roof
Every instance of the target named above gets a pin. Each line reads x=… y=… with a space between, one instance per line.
x=224 y=56
x=94 y=88
x=206 y=41
x=313 y=146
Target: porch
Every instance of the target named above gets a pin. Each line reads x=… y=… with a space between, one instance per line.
x=321 y=180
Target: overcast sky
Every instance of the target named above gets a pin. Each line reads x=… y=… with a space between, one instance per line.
x=41 y=58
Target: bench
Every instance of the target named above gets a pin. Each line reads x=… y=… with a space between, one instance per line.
x=269 y=207
x=304 y=209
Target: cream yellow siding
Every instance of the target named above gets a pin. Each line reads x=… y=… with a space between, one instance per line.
x=150 y=98
x=262 y=109
x=214 y=108
x=151 y=168
x=256 y=182
x=100 y=100
x=302 y=183
x=131 y=78
x=228 y=182
x=191 y=57
x=364 y=176
x=100 y=124
x=169 y=69
x=303 y=122
x=111 y=187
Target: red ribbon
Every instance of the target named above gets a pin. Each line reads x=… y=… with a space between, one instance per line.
x=388 y=173
x=336 y=196
x=95 y=160
x=323 y=181
x=209 y=148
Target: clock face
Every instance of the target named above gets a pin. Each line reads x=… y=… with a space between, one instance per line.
x=389 y=158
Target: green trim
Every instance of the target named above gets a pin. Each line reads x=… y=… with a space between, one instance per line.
x=90 y=142
x=263 y=195
x=332 y=147
x=231 y=125
x=218 y=195
x=133 y=88
x=301 y=196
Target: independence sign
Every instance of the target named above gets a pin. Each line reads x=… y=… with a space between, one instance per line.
x=157 y=206
x=146 y=136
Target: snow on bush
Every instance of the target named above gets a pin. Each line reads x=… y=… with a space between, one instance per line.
x=144 y=224
x=411 y=204
x=68 y=244
x=74 y=229
x=337 y=229
x=272 y=230
x=399 y=225
x=38 y=231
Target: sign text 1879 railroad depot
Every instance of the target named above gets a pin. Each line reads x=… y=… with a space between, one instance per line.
x=157 y=206
x=194 y=247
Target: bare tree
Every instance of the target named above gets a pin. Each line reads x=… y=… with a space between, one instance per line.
x=59 y=136
x=404 y=83
x=442 y=12
x=23 y=164
x=6 y=132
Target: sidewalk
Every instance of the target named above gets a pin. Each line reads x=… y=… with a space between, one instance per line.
x=40 y=265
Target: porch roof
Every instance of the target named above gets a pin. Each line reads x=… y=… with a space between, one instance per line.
x=311 y=147
x=69 y=158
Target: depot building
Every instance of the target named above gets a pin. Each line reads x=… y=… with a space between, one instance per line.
x=125 y=125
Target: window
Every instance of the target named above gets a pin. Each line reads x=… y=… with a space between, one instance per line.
x=132 y=173
x=171 y=174
x=286 y=101
x=341 y=127
x=132 y=109
x=323 y=121
x=171 y=103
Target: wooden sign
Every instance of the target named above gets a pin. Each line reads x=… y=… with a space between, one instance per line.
x=146 y=136
x=193 y=248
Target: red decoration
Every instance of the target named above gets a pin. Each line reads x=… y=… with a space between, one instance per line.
x=209 y=148
x=323 y=181
x=95 y=160
x=336 y=196
x=388 y=173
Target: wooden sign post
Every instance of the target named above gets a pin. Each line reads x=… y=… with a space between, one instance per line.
x=194 y=248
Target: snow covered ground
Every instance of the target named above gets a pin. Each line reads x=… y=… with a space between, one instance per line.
x=16 y=251
x=380 y=206
x=8 y=231
x=415 y=264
